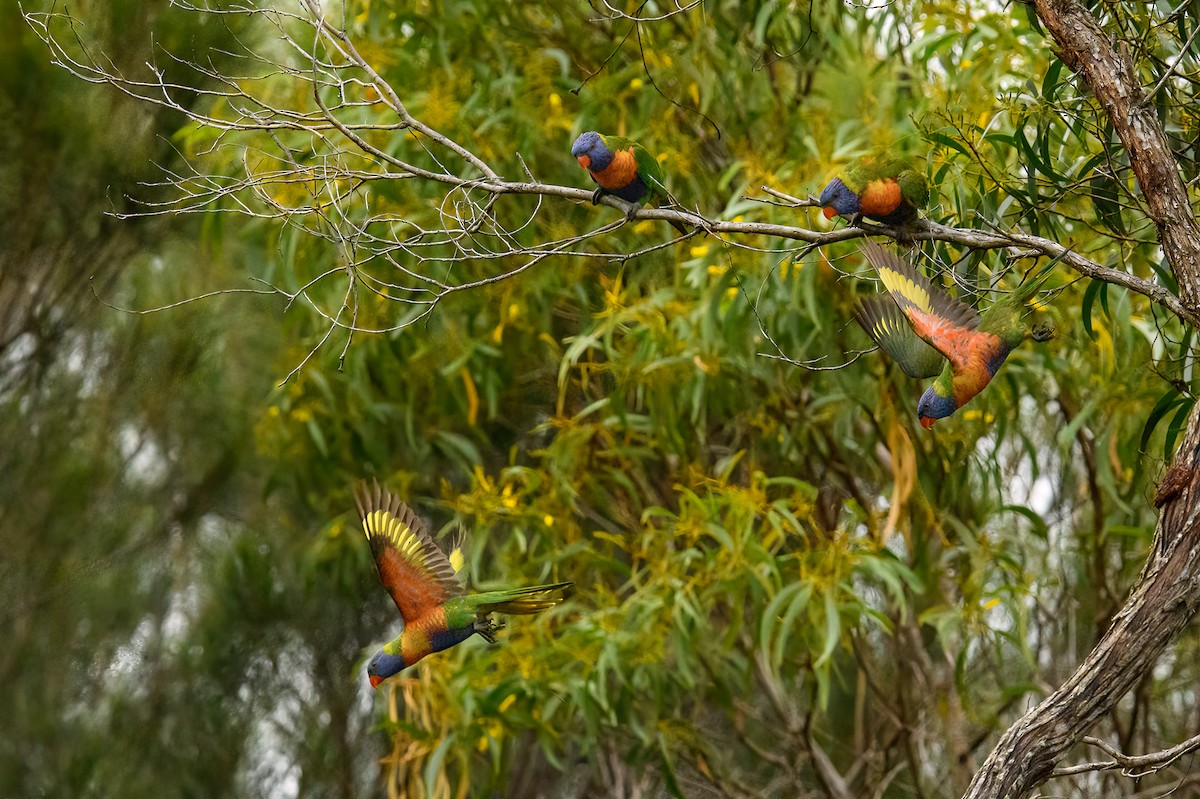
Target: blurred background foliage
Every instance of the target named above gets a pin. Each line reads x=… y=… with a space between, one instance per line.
x=785 y=586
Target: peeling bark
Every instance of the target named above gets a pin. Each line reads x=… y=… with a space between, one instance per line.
x=1164 y=601
x=1167 y=594
x=1109 y=73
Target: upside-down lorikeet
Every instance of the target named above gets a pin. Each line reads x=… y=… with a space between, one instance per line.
x=926 y=332
x=622 y=168
x=887 y=190
x=425 y=586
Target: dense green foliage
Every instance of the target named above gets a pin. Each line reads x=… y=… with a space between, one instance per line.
x=776 y=567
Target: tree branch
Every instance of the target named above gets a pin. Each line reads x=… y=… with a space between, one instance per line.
x=1167 y=594
x=1110 y=75
x=1134 y=766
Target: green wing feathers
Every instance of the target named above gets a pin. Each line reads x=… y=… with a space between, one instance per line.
x=650 y=171
x=904 y=171
x=913 y=291
x=888 y=327
x=913 y=188
x=521 y=601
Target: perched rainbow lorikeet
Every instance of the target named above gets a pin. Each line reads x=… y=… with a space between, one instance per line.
x=624 y=169
x=887 y=190
x=929 y=333
x=425 y=586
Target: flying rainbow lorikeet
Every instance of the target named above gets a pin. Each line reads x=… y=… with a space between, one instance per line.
x=929 y=333
x=623 y=168
x=887 y=190
x=425 y=586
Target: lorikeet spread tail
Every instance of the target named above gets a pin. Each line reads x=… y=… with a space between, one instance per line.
x=424 y=583
x=521 y=601
x=623 y=168
x=973 y=347
x=887 y=190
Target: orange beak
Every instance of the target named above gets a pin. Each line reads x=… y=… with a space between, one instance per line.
x=927 y=422
x=585 y=161
x=375 y=680
x=829 y=212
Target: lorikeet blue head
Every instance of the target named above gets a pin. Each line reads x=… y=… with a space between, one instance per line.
x=837 y=200
x=382 y=666
x=591 y=152
x=934 y=406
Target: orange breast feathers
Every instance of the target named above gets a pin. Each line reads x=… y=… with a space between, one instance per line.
x=415 y=642
x=973 y=378
x=620 y=172
x=880 y=197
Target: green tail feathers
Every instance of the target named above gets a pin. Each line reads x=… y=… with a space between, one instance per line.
x=522 y=601
x=1034 y=279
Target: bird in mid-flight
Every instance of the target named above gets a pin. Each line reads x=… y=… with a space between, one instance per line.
x=424 y=583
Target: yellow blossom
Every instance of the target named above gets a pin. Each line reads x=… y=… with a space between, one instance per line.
x=700 y=250
x=636 y=83
x=548 y=520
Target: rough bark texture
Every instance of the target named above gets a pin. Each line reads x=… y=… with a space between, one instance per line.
x=1167 y=594
x=1165 y=599
x=1109 y=74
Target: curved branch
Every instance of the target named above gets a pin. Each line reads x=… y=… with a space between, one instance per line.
x=1134 y=766
x=1167 y=594
x=1110 y=75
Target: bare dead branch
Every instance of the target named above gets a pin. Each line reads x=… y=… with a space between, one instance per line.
x=325 y=179
x=1134 y=766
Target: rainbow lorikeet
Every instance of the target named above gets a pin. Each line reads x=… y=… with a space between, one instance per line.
x=623 y=168
x=929 y=333
x=887 y=190
x=425 y=586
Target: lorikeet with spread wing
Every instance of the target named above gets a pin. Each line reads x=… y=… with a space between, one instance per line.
x=887 y=190
x=925 y=326
x=425 y=586
x=623 y=168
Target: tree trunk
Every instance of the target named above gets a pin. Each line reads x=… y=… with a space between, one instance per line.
x=1087 y=49
x=1165 y=599
x=1167 y=594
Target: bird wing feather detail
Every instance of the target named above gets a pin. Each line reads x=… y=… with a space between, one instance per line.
x=413 y=569
x=949 y=325
x=888 y=327
x=650 y=171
